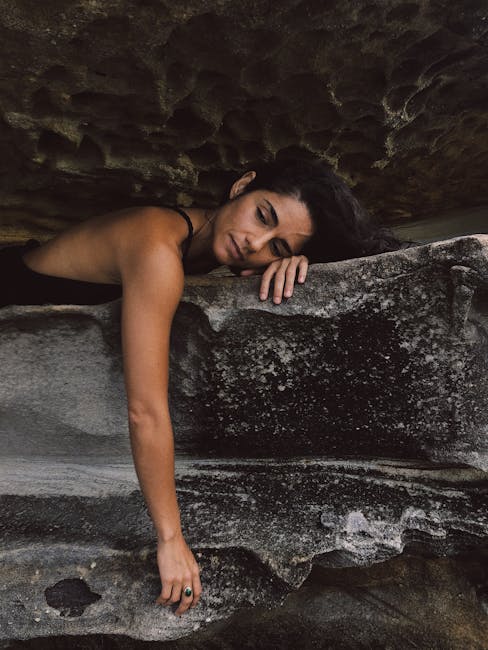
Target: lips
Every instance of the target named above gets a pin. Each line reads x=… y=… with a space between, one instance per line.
x=235 y=249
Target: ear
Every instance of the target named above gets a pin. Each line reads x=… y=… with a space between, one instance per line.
x=241 y=183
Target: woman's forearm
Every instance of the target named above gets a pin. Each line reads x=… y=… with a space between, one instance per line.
x=153 y=452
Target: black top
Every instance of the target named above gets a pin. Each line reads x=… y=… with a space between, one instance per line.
x=20 y=285
x=190 y=228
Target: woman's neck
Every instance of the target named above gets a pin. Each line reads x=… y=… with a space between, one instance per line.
x=200 y=257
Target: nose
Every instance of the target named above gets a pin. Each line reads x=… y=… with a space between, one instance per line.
x=256 y=242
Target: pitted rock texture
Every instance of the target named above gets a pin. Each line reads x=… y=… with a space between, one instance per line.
x=290 y=488
x=284 y=515
x=350 y=609
x=106 y=104
x=376 y=357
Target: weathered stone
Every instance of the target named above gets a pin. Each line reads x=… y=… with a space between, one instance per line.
x=377 y=357
x=286 y=512
x=350 y=609
x=334 y=430
x=110 y=103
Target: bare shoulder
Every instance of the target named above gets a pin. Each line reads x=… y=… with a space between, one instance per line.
x=140 y=230
x=153 y=279
x=147 y=239
x=98 y=249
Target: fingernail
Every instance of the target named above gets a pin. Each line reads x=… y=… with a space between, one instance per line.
x=262 y=296
x=277 y=300
x=287 y=294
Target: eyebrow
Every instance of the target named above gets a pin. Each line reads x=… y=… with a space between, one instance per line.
x=274 y=217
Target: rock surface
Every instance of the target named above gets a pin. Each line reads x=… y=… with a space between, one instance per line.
x=111 y=103
x=348 y=609
x=348 y=425
x=377 y=357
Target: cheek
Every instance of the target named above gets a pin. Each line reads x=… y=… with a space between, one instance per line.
x=220 y=250
x=262 y=258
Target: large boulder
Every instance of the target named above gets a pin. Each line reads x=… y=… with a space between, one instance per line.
x=333 y=430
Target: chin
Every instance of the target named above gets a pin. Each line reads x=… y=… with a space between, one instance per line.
x=223 y=257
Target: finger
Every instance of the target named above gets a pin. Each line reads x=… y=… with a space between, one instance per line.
x=302 y=268
x=165 y=594
x=185 y=600
x=175 y=592
x=265 y=282
x=290 y=277
x=197 y=590
x=279 y=282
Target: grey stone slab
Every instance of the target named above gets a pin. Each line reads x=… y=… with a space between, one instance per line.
x=257 y=527
x=118 y=591
x=317 y=506
x=377 y=357
x=350 y=609
x=335 y=430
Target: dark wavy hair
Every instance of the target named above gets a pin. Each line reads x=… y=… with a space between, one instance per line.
x=343 y=228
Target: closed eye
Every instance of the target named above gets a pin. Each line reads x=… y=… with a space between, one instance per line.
x=275 y=250
x=273 y=245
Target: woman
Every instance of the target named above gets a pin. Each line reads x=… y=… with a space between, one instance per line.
x=276 y=218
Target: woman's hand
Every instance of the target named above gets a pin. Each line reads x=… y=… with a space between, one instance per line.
x=284 y=272
x=178 y=569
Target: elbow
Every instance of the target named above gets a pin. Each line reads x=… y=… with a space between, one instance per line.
x=143 y=418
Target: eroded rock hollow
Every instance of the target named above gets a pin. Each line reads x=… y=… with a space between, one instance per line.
x=105 y=104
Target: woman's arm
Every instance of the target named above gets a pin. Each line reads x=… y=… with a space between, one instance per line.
x=153 y=280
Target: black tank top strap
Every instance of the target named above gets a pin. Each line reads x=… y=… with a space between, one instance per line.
x=190 y=227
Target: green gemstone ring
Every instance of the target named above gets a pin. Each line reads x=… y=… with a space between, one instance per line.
x=188 y=591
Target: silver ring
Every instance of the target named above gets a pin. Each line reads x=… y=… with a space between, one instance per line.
x=187 y=591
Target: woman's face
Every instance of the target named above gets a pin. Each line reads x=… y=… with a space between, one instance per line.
x=257 y=228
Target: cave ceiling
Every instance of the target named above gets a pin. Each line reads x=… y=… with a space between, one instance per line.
x=110 y=103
